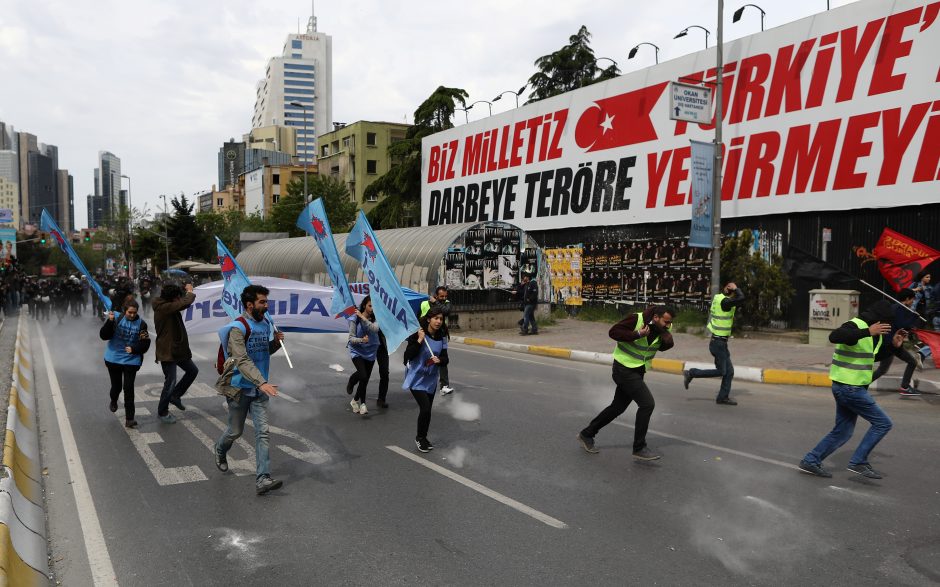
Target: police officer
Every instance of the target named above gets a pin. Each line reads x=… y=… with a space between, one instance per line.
x=720 y=321
x=639 y=336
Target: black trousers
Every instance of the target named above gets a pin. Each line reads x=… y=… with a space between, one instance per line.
x=381 y=357
x=885 y=364
x=361 y=376
x=425 y=400
x=630 y=388
x=122 y=379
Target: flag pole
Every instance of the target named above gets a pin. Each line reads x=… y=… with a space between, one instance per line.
x=283 y=346
x=912 y=311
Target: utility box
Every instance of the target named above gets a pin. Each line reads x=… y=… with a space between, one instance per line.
x=828 y=310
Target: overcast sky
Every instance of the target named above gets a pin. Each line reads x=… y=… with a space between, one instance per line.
x=162 y=84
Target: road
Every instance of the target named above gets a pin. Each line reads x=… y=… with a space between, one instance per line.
x=506 y=498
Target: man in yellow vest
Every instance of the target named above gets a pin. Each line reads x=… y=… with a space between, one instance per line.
x=639 y=336
x=859 y=343
x=720 y=321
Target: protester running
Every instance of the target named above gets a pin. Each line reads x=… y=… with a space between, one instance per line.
x=904 y=319
x=720 y=321
x=128 y=342
x=439 y=300
x=247 y=345
x=859 y=343
x=173 y=347
x=425 y=353
x=363 y=346
x=639 y=336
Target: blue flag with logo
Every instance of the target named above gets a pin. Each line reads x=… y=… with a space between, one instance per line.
x=394 y=315
x=47 y=224
x=234 y=281
x=313 y=219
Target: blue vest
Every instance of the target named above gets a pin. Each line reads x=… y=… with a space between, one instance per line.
x=420 y=375
x=365 y=350
x=126 y=333
x=257 y=346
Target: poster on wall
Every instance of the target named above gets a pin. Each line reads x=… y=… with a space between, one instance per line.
x=508 y=271
x=454 y=269
x=8 y=239
x=565 y=267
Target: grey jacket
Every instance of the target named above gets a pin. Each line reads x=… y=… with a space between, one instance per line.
x=238 y=359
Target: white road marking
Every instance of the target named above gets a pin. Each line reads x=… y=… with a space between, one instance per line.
x=732 y=451
x=200 y=356
x=102 y=571
x=319 y=348
x=163 y=475
x=463 y=350
x=238 y=466
x=520 y=507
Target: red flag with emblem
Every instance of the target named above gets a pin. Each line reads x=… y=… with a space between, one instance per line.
x=931 y=339
x=618 y=121
x=901 y=258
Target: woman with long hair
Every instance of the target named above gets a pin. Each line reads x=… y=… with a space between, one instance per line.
x=128 y=341
x=425 y=354
x=363 y=346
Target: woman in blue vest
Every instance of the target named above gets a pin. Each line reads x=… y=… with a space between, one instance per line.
x=128 y=341
x=425 y=354
x=363 y=347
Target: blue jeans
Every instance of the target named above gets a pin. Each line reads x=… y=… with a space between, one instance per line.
x=851 y=402
x=172 y=389
x=528 y=318
x=237 y=412
x=718 y=347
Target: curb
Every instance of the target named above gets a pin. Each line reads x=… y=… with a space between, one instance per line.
x=754 y=374
x=23 y=553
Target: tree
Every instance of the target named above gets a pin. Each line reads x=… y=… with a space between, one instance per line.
x=225 y=224
x=571 y=67
x=340 y=207
x=186 y=240
x=283 y=216
x=765 y=283
x=401 y=185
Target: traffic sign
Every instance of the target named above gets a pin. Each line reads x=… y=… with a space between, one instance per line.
x=690 y=103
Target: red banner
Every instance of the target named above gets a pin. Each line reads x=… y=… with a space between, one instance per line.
x=48 y=270
x=931 y=339
x=901 y=258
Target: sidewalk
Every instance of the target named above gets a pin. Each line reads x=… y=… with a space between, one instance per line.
x=755 y=359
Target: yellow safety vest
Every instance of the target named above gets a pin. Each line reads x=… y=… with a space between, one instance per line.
x=719 y=321
x=853 y=364
x=639 y=352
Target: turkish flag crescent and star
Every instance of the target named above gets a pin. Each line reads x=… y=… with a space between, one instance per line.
x=931 y=339
x=619 y=121
x=901 y=258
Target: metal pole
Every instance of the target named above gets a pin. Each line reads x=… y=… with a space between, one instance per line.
x=716 y=191
x=306 y=156
x=130 y=228
x=166 y=231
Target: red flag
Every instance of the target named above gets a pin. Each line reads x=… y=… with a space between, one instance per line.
x=931 y=339
x=619 y=120
x=901 y=258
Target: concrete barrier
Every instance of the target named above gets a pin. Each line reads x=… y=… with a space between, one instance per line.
x=23 y=552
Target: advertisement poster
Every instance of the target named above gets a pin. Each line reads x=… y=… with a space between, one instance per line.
x=454 y=269
x=8 y=238
x=565 y=267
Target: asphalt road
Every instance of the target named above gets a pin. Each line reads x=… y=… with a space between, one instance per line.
x=513 y=499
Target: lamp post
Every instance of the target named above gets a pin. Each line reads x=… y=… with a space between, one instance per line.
x=166 y=230
x=632 y=53
x=737 y=14
x=716 y=189
x=516 y=94
x=685 y=31
x=487 y=102
x=466 y=119
x=130 y=227
x=306 y=145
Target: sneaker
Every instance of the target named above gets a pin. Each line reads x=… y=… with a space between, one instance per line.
x=920 y=361
x=130 y=423
x=266 y=484
x=865 y=470
x=168 y=419
x=447 y=389
x=354 y=405
x=645 y=454
x=428 y=444
x=587 y=443
x=909 y=391
x=726 y=402
x=382 y=404
x=112 y=406
x=686 y=378
x=363 y=410
x=178 y=403
x=814 y=469
x=422 y=444
x=221 y=462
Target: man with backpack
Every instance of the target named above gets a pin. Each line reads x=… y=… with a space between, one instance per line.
x=173 y=347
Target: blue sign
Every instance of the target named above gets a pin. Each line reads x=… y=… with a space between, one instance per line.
x=703 y=166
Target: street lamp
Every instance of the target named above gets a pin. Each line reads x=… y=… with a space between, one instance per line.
x=130 y=227
x=632 y=53
x=466 y=118
x=488 y=103
x=297 y=104
x=685 y=31
x=166 y=230
x=737 y=14
x=516 y=94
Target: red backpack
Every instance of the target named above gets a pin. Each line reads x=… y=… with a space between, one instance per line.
x=220 y=360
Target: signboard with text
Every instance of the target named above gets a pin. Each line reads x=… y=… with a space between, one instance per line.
x=690 y=103
x=832 y=112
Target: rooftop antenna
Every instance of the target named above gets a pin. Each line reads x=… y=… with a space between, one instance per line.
x=312 y=23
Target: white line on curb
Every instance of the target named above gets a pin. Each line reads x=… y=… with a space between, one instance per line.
x=102 y=571
x=521 y=507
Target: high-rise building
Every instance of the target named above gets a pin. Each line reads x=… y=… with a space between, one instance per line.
x=66 y=200
x=26 y=143
x=42 y=184
x=97 y=211
x=9 y=171
x=108 y=187
x=303 y=74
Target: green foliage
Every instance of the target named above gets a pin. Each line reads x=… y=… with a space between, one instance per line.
x=601 y=313
x=283 y=216
x=766 y=286
x=225 y=224
x=571 y=67
x=340 y=207
x=186 y=240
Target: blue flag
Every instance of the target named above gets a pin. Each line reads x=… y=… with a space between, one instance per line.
x=234 y=283
x=47 y=224
x=389 y=303
x=313 y=220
